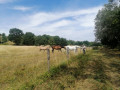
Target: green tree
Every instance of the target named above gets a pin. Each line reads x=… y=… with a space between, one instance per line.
x=29 y=38
x=15 y=35
x=0 y=38
x=78 y=43
x=57 y=40
x=41 y=40
x=4 y=38
x=107 y=25
x=71 y=42
x=63 y=42
x=51 y=41
x=38 y=40
x=86 y=43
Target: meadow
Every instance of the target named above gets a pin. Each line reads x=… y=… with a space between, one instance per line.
x=21 y=64
x=96 y=70
x=25 y=68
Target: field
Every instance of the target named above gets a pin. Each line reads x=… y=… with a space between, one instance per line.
x=21 y=64
x=97 y=70
x=25 y=68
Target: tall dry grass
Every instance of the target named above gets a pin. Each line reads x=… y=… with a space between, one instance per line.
x=22 y=64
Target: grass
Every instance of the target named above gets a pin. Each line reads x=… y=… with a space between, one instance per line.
x=25 y=68
x=93 y=71
x=22 y=64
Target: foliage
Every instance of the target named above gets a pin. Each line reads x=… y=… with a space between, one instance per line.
x=71 y=42
x=95 y=44
x=63 y=42
x=29 y=38
x=3 y=38
x=50 y=40
x=18 y=37
x=8 y=43
x=107 y=25
x=15 y=35
x=57 y=40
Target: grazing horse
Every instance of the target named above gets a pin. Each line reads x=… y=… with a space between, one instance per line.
x=77 y=46
x=74 y=48
x=44 y=47
x=57 y=47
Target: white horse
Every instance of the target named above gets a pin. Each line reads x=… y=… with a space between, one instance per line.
x=74 y=48
x=77 y=46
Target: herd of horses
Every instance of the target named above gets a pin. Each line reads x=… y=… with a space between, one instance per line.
x=59 y=48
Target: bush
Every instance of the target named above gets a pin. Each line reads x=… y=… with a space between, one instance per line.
x=9 y=43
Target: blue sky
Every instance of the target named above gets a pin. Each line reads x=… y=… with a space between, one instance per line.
x=71 y=19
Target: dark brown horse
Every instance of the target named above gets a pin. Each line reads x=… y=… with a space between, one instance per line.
x=57 y=47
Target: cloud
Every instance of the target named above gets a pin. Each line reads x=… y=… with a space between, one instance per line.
x=22 y=8
x=43 y=17
x=5 y=1
x=75 y=25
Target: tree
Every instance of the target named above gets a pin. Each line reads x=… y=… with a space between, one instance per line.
x=15 y=35
x=29 y=38
x=71 y=42
x=57 y=40
x=0 y=38
x=63 y=42
x=107 y=25
x=45 y=39
x=38 y=40
x=4 y=38
x=86 y=43
x=51 y=41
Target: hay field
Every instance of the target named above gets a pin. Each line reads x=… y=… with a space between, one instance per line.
x=21 y=64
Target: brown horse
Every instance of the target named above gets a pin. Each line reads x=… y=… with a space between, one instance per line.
x=57 y=47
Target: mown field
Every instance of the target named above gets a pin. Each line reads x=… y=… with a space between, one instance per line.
x=22 y=64
x=25 y=68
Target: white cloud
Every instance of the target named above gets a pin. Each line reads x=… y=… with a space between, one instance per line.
x=22 y=8
x=75 y=25
x=43 y=17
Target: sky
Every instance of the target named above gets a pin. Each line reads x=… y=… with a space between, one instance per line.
x=70 y=19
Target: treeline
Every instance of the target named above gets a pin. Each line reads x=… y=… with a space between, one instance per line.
x=19 y=38
x=107 y=24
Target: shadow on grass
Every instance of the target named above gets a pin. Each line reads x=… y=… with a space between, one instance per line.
x=115 y=65
x=111 y=53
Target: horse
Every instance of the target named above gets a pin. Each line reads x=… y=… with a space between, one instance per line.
x=79 y=47
x=74 y=48
x=84 y=49
x=57 y=47
x=44 y=47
